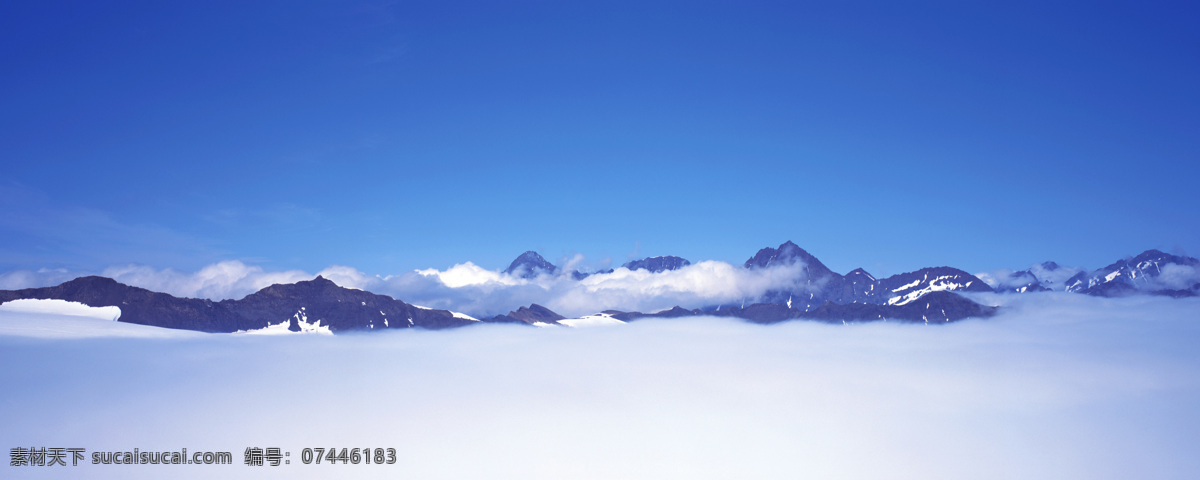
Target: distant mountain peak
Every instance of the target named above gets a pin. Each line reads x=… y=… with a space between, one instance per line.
x=658 y=264
x=529 y=264
x=787 y=253
x=530 y=315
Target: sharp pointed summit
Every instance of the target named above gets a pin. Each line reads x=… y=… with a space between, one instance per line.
x=530 y=265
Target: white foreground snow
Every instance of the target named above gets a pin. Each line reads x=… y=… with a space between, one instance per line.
x=60 y=307
x=63 y=319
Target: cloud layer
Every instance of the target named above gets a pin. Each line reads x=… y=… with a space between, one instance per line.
x=1058 y=386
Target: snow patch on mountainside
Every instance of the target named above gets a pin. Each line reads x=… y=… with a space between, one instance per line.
x=936 y=285
x=48 y=320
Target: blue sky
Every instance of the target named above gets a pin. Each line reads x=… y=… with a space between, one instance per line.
x=395 y=136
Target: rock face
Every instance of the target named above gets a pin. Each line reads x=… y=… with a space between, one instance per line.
x=658 y=264
x=530 y=265
x=313 y=301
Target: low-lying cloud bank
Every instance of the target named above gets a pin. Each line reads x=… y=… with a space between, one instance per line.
x=1057 y=386
x=467 y=287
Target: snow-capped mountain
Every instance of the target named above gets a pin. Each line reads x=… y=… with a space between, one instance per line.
x=906 y=288
x=817 y=284
x=1151 y=271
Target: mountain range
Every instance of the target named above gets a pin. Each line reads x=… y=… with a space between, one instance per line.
x=303 y=305
x=818 y=293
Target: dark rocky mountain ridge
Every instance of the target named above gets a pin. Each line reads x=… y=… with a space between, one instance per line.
x=530 y=315
x=658 y=264
x=926 y=295
x=317 y=300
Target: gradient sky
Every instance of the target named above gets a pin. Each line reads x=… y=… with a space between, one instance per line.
x=394 y=136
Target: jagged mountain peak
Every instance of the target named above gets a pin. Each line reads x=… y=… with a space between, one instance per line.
x=788 y=253
x=1153 y=255
x=533 y=314
x=529 y=265
x=860 y=271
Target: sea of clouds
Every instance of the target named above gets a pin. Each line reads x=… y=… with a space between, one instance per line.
x=1056 y=386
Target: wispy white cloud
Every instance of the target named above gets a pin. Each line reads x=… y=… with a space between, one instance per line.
x=1177 y=277
x=45 y=277
x=471 y=289
x=1054 y=279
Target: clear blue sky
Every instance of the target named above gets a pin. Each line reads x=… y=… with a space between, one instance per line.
x=389 y=136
